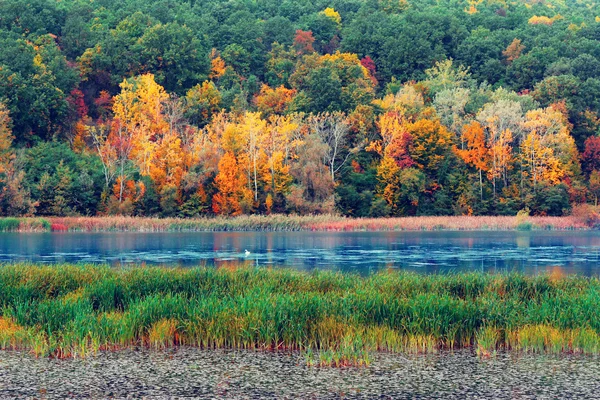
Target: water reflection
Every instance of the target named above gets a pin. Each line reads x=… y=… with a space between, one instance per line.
x=364 y=252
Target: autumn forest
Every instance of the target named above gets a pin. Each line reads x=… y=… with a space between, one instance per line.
x=366 y=108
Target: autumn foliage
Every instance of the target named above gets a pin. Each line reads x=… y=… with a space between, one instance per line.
x=375 y=109
x=303 y=42
x=274 y=160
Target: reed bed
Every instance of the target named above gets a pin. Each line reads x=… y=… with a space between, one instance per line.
x=335 y=319
x=288 y=223
x=455 y=223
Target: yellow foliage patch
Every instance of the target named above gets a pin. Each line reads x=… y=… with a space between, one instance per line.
x=163 y=333
x=332 y=14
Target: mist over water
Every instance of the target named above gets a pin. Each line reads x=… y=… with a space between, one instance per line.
x=362 y=252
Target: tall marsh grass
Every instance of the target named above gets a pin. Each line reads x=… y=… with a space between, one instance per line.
x=336 y=319
x=10 y=224
x=289 y=223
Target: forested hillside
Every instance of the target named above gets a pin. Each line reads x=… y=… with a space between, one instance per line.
x=363 y=107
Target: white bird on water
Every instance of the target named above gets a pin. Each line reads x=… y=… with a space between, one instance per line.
x=246 y=252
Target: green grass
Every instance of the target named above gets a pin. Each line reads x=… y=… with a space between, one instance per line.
x=525 y=226
x=336 y=319
x=487 y=340
x=9 y=224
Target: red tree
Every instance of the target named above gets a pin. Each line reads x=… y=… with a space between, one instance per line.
x=77 y=103
x=591 y=155
x=303 y=42
x=103 y=104
x=369 y=64
x=399 y=150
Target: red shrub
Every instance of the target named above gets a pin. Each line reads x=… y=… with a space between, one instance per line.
x=56 y=227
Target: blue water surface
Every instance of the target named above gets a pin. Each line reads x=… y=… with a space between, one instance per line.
x=363 y=252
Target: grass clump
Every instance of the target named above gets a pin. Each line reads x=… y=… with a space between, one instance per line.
x=335 y=319
x=9 y=224
x=163 y=333
x=12 y=336
x=487 y=339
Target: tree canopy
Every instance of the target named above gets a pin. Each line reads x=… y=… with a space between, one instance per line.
x=363 y=107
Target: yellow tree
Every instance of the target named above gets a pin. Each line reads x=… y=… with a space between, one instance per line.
x=472 y=9
x=150 y=97
x=389 y=185
x=548 y=152
x=168 y=163
x=552 y=123
x=401 y=109
x=408 y=102
x=330 y=13
x=476 y=153
x=431 y=142
x=125 y=109
x=539 y=160
x=217 y=65
x=395 y=139
x=146 y=131
x=253 y=128
x=445 y=75
x=204 y=150
x=274 y=101
x=276 y=143
x=502 y=121
x=234 y=143
x=208 y=144
x=138 y=108
x=501 y=157
x=231 y=187
x=389 y=125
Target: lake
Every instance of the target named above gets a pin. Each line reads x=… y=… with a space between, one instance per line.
x=363 y=252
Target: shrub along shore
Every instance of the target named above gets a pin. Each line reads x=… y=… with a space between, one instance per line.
x=289 y=223
x=335 y=319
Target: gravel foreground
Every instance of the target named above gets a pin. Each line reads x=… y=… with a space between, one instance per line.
x=205 y=374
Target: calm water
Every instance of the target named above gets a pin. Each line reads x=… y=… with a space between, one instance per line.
x=364 y=252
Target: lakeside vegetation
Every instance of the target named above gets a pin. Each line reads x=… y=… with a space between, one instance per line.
x=335 y=319
x=330 y=223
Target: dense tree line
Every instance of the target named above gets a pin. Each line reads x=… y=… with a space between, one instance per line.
x=366 y=107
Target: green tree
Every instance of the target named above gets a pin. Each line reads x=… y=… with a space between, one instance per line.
x=176 y=57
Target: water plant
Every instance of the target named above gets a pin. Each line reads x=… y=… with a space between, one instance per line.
x=487 y=340
x=291 y=223
x=9 y=224
x=335 y=319
x=523 y=222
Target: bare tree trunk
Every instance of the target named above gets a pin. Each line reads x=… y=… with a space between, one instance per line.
x=333 y=130
x=480 y=186
x=255 y=181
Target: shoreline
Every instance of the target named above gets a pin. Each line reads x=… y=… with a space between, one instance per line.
x=281 y=223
